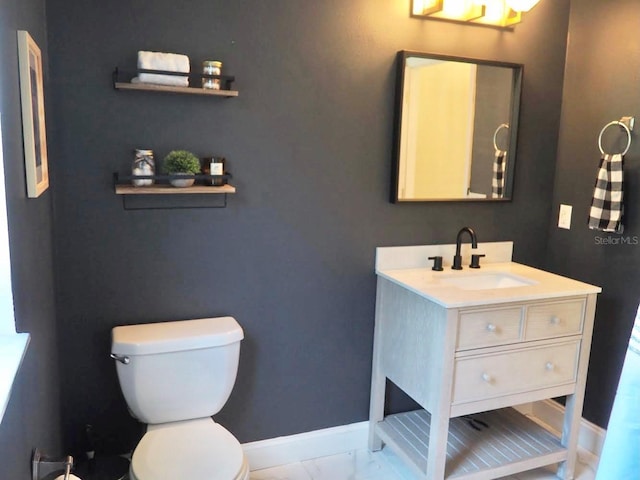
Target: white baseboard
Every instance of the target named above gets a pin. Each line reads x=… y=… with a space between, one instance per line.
x=305 y=446
x=346 y=438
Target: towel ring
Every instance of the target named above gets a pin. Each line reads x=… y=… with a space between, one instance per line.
x=626 y=129
x=495 y=135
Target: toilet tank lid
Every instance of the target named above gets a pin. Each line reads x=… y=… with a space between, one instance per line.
x=151 y=338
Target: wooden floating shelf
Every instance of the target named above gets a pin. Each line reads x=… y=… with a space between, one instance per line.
x=171 y=190
x=170 y=89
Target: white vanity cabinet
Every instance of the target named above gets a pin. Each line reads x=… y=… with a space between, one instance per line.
x=467 y=357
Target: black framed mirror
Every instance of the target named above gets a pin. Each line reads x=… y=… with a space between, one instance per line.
x=456 y=128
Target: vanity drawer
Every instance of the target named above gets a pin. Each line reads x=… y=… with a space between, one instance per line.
x=486 y=328
x=479 y=377
x=551 y=320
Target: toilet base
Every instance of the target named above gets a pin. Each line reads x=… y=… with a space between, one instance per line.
x=194 y=449
x=243 y=475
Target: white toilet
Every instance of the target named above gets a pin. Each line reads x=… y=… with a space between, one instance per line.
x=174 y=376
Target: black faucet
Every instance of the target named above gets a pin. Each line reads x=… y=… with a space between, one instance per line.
x=457 y=260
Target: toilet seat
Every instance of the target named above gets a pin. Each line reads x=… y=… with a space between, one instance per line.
x=190 y=450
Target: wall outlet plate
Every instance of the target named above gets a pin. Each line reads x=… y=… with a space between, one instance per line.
x=564 y=218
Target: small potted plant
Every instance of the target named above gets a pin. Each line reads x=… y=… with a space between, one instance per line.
x=181 y=162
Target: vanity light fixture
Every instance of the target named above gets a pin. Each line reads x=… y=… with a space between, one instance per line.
x=495 y=13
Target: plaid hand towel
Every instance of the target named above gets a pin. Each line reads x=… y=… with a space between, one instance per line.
x=607 y=207
x=499 y=167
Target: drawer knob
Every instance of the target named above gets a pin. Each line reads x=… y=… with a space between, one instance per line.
x=549 y=366
x=555 y=320
x=491 y=328
x=487 y=378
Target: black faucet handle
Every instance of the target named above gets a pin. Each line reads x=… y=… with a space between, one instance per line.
x=437 y=263
x=475 y=261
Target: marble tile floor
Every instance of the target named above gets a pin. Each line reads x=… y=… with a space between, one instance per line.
x=384 y=465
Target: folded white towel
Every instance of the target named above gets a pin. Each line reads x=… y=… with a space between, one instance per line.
x=169 y=62
x=155 y=79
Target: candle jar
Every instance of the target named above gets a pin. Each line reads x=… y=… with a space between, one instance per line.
x=143 y=164
x=214 y=166
x=210 y=67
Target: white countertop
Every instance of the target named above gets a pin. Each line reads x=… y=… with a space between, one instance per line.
x=432 y=285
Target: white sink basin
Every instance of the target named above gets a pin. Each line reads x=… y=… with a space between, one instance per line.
x=485 y=281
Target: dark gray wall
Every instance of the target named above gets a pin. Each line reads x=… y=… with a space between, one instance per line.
x=33 y=415
x=309 y=144
x=601 y=85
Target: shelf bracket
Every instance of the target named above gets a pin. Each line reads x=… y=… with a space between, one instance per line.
x=159 y=202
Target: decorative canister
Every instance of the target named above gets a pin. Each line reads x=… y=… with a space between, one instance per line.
x=143 y=164
x=211 y=67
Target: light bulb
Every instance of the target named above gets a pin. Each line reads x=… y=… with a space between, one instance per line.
x=456 y=8
x=522 y=5
x=494 y=10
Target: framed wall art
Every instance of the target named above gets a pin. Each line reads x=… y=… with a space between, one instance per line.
x=33 y=122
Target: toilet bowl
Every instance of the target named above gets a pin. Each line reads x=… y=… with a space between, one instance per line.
x=192 y=449
x=174 y=377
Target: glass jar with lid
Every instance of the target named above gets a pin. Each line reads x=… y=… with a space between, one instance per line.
x=143 y=164
x=211 y=67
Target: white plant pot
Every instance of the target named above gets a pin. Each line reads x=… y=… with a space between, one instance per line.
x=180 y=182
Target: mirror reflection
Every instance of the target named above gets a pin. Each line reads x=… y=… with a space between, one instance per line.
x=456 y=128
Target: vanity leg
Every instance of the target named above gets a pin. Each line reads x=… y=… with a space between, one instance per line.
x=574 y=403
x=438 y=435
x=570 y=430
x=378 y=380
x=376 y=411
x=439 y=430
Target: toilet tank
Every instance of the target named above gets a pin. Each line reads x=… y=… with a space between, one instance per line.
x=174 y=371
